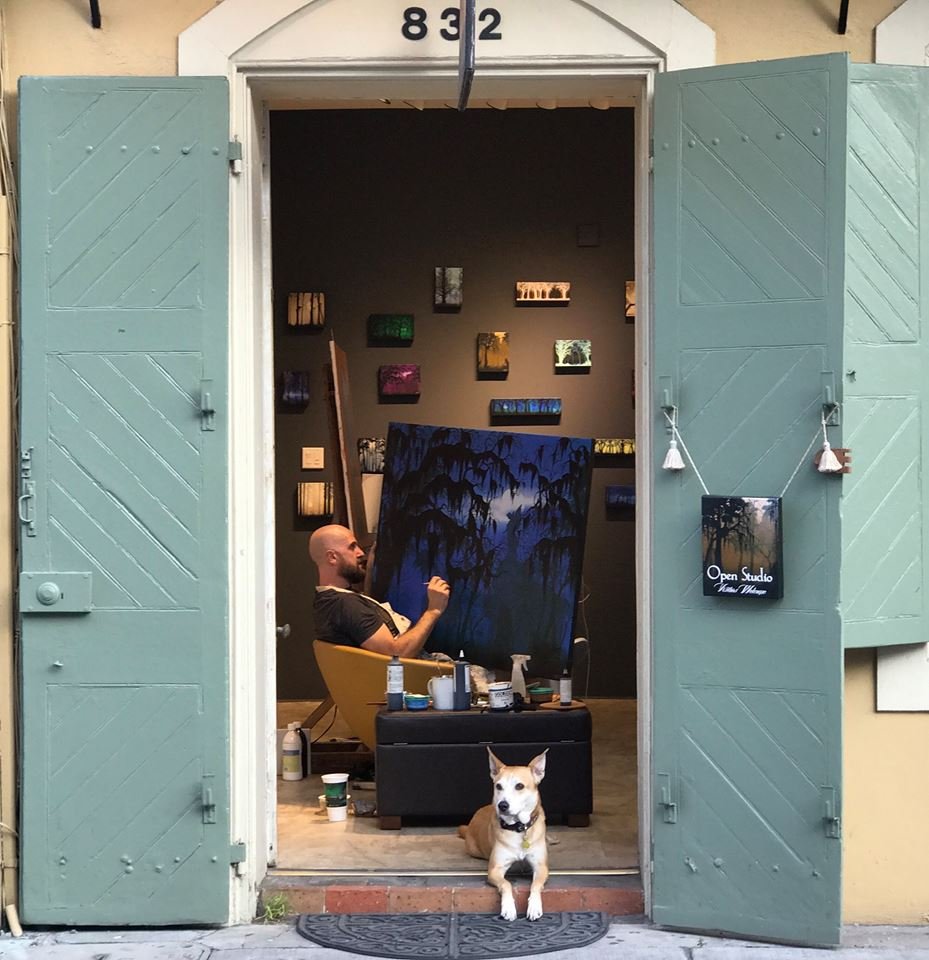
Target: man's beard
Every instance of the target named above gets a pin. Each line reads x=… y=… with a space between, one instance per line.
x=352 y=572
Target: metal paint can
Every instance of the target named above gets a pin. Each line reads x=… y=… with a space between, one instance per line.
x=500 y=695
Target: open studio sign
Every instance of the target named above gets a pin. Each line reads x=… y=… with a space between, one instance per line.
x=742 y=548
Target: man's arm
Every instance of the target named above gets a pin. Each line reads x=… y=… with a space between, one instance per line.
x=410 y=643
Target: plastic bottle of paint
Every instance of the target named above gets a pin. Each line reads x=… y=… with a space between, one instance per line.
x=564 y=688
x=462 y=686
x=395 y=684
x=292 y=754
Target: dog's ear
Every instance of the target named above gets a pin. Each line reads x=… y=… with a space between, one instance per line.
x=537 y=766
x=495 y=764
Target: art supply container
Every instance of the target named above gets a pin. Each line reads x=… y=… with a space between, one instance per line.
x=335 y=786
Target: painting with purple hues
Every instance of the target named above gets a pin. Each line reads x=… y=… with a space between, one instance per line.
x=398 y=380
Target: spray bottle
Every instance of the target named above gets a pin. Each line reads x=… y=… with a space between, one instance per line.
x=292 y=754
x=462 y=684
x=518 y=679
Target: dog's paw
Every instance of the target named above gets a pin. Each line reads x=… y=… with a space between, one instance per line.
x=508 y=910
x=535 y=908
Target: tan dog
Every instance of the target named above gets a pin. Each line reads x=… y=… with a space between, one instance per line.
x=512 y=828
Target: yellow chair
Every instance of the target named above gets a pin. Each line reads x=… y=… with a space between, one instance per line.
x=357 y=682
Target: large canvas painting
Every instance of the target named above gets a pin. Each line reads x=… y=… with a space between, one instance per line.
x=502 y=517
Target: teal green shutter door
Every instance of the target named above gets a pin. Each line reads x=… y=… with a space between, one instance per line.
x=749 y=186
x=123 y=597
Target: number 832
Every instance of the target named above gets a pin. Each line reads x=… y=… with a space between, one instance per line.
x=415 y=26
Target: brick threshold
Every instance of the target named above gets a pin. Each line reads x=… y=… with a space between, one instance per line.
x=615 y=895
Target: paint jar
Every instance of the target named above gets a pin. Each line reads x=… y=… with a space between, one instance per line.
x=335 y=786
x=500 y=695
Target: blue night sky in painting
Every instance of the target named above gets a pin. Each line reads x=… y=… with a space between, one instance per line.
x=502 y=517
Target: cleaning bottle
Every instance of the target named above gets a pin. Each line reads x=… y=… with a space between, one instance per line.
x=395 y=684
x=292 y=759
x=518 y=679
x=461 y=697
x=564 y=688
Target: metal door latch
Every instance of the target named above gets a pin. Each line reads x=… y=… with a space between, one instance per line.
x=664 y=798
x=207 y=411
x=832 y=822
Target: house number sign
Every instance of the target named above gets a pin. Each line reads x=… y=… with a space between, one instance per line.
x=416 y=23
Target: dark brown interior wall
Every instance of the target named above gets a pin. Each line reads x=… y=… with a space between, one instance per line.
x=365 y=204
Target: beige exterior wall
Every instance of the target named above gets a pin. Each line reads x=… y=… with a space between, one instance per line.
x=886 y=775
x=885 y=877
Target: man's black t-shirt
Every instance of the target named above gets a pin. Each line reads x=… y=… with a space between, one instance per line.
x=349 y=618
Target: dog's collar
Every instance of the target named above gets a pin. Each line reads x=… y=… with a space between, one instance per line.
x=517 y=826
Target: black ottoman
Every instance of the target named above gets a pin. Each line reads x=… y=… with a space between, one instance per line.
x=433 y=763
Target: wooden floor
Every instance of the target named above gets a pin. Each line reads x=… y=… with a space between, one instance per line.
x=308 y=841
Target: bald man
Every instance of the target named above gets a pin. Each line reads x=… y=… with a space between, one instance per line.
x=354 y=619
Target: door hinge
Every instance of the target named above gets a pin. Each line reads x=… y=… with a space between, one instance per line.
x=832 y=822
x=665 y=798
x=26 y=503
x=235 y=157
x=237 y=858
x=651 y=154
x=208 y=804
x=207 y=411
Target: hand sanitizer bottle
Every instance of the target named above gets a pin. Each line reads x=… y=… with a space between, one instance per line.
x=461 y=697
x=564 y=688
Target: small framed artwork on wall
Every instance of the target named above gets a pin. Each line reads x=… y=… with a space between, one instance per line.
x=493 y=355
x=448 y=289
x=630 y=301
x=371 y=454
x=543 y=293
x=398 y=381
x=390 y=329
x=572 y=356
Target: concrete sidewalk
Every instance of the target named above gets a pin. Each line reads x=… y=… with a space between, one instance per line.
x=625 y=941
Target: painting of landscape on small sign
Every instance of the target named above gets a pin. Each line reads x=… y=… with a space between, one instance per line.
x=371 y=454
x=742 y=547
x=390 y=329
x=502 y=516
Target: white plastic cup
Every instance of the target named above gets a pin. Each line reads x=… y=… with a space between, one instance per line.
x=337 y=814
x=335 y=786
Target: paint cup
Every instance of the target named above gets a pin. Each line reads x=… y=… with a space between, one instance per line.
x=442 y=691
x=335 y=786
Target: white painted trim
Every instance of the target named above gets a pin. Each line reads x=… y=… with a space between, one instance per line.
x=643 y=474
x=903 y=37
x=210 y=47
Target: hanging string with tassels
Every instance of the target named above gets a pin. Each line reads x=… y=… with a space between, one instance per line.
x=828 y=461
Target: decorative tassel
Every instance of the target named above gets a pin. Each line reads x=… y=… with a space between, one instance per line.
x=828 y=461
x=673 y=459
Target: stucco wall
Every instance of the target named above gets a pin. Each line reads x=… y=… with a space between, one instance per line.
x=885 y=877
x=886 y=837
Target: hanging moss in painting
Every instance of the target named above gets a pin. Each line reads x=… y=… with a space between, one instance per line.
x=502 y=517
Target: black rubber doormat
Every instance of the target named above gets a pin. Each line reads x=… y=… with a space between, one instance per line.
x=478 y=935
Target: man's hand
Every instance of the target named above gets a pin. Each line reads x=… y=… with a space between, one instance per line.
x=437 y=592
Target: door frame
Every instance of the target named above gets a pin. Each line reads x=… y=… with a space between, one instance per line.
x=253 y=90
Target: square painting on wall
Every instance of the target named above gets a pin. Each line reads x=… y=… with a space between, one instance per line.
x=572 y=354
x=540 y=293
x=502 y=517
x=630 y=300
x=493 y=353
x=371 y=454
x=449 y=288
x=398 y=380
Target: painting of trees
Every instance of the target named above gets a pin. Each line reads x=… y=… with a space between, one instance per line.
x=493 y=352
x=502 y=517
x=742 y=546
